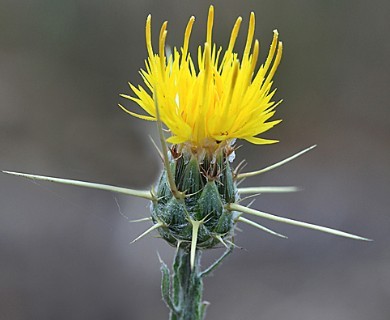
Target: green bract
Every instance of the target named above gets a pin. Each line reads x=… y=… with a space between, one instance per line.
x=208 y=186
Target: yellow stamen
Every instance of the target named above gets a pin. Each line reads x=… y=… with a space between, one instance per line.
x=161 y=48
x=234 y=34
x=251 y=32
x=187 y=35
x=148 y=33
x=210 y=22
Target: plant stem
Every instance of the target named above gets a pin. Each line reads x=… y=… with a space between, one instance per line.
x=182 y=292
x=187 y=287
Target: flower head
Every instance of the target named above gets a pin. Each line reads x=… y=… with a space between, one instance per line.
x=215 y=98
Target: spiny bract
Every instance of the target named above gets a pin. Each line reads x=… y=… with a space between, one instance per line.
x=208 y=186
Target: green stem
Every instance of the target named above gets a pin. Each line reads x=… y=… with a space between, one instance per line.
x=182 y=292
x=187 y=287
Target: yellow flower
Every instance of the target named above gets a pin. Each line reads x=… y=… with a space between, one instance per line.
x=216 y=98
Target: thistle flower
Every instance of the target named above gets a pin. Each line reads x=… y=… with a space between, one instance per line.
x=209 y=103
x=205 y=104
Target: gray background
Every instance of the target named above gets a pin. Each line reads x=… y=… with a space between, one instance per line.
x=64 y=251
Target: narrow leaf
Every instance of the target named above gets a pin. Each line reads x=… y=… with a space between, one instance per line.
x=166 y=286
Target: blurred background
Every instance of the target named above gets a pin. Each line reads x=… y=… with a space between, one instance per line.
x=64 y=251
